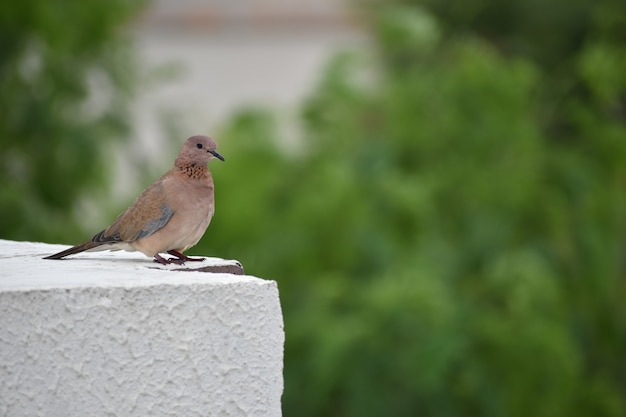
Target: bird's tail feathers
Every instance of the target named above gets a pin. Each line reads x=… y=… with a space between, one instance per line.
x=75 y=249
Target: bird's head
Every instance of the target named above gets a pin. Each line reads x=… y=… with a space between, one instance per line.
x=199 y=150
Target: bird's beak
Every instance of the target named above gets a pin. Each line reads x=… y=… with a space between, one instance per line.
x=217 y=155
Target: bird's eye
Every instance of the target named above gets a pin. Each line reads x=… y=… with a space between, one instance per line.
x=199 y=145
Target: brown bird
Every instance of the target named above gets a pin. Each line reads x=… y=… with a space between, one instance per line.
x=171 y=215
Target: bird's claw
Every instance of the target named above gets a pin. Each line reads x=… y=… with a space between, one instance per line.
x=184 y=257
x=166 y=261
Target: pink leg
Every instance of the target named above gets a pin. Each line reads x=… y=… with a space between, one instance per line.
x=159 y=259
x=183 y=257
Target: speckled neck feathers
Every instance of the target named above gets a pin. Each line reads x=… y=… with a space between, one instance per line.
x=193 y=171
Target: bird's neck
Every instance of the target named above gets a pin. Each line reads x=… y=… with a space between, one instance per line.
x=192 y=170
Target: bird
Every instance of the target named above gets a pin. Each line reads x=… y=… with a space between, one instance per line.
x=170 y=216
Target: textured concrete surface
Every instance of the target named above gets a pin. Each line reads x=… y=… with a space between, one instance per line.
x=114 y=334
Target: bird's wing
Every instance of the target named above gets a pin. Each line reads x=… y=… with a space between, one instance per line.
x=148 y=213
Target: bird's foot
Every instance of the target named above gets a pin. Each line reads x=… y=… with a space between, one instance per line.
x=164 y=261
x=183 y=257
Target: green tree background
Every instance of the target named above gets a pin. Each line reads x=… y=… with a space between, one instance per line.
x=450 y=238
x=55 y=131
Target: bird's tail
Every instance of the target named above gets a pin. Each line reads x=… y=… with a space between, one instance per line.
x=75 y=249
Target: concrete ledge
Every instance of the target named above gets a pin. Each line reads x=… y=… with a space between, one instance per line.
x=110 y=334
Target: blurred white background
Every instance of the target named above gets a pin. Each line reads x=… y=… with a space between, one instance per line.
x=222 y=55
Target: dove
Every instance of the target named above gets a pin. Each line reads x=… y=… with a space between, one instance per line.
x=169 y=216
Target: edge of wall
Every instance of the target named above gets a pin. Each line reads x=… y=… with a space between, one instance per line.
x=113 y=333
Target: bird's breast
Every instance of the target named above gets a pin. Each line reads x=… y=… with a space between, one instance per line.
x=192 y=204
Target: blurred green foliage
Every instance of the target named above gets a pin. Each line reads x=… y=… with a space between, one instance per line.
x=451 y=241
x=65 y=77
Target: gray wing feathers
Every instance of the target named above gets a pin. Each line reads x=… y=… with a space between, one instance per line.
x=155 y=224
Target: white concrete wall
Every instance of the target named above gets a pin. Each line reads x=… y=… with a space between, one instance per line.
x=112 y=334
